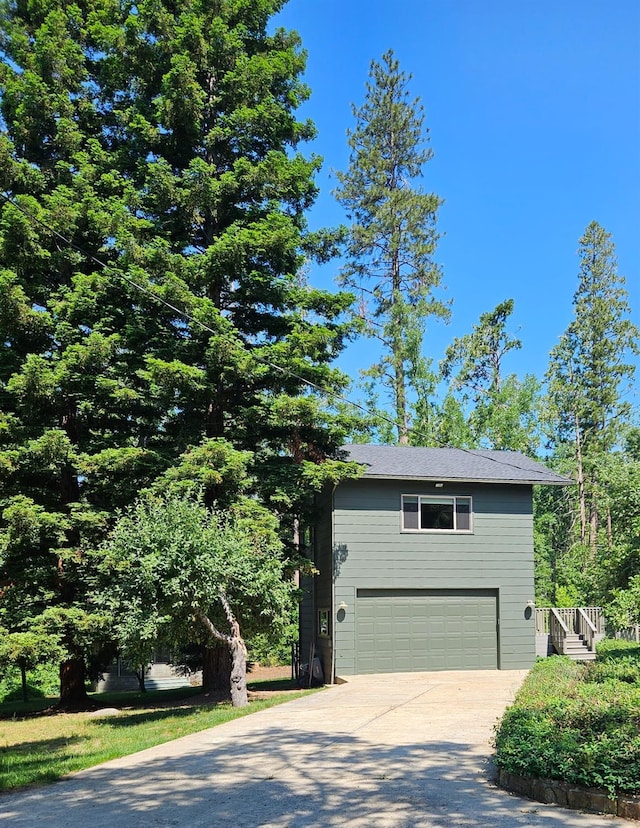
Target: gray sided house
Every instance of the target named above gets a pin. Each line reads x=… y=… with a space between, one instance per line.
x=425 y=563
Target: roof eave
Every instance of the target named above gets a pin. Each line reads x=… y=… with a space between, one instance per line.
x=433 y=479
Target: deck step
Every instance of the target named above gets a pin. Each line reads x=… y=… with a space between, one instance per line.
x=576 y=649
x=166 y=683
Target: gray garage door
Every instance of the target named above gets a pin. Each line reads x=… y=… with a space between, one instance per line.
x=410 y=630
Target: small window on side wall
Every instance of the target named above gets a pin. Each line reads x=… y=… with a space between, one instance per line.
x=426 y=513
x=323 y=623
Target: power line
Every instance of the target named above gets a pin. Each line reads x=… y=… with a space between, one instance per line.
x=274 y=366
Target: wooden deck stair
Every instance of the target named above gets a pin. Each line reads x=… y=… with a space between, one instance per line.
x=570 y=631
x=576 y=648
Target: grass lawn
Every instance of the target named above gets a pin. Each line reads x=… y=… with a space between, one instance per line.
x=43 y=748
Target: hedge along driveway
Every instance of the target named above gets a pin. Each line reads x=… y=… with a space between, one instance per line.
x=398 y=750
x=578 y=722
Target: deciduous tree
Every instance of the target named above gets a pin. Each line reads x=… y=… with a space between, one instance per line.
x=177 y=571
x=26 y=649
x=501 y=410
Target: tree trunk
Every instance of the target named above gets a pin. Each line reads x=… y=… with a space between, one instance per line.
x=401 y=405
x=593 y=526
x=23 y=677
x=235 y=648
x=140 y=675
x=214 y=420
x=399 y=379
x=216 y=668
x=581 y=485
x=239 y=696
x=73 y=693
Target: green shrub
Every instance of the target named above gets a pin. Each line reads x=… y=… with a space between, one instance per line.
x=625 y=669
x=576 y=723
x=43 y=680
x=270 y=651
x=618 y=660
x=610 y=649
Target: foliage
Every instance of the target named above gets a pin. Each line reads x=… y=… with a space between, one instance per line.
x=163 y=141
x=586 y=537
x=393 y=236
x=618 y=660
x=269 y=650
x=177 y=572
x=43 y=680
x=503 y=411
x=617 y=583
x=589 y=372
x=26 y=650
x=611 y=577
x=611 y=649
x=623 y=610
x=558 y=564
x=593 y=356
x=574 y=723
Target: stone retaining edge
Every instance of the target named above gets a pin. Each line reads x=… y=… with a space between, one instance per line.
x=568 y=795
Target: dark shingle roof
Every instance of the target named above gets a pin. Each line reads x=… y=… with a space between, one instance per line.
x=451 y=464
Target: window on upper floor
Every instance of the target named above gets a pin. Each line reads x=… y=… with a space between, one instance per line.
x=426 y=513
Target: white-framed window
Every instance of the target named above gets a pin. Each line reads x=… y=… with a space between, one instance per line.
x=436 y=513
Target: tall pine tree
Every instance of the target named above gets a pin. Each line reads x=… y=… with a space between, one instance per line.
x=393 y=236
x=162 y=140
x=589 y=372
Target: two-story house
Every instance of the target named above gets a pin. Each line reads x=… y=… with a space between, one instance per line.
x=425 y=563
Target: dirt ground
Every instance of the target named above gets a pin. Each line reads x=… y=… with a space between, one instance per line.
x=260 y=673
x=279 y=676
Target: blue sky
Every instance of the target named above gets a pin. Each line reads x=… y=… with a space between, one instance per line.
x=534 y=117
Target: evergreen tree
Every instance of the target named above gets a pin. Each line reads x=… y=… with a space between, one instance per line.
x=163 y=141
x=588 y=375
x=617 y=575
x=501 y=410
x=392 y=238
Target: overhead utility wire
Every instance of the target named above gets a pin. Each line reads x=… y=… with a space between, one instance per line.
x=186 y=315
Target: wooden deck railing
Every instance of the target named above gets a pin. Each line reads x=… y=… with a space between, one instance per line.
x=596 y=617
x=568 y=615
x=558 y=629
x=559 y=622
x=542 y=620
x=587 y=629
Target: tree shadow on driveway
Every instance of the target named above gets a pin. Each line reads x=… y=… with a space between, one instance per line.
x=278 y=777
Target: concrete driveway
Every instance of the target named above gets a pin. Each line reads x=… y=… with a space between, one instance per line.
x=404 y=749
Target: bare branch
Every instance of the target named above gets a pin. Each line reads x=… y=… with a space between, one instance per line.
x=212 y=629
x=235 y=627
